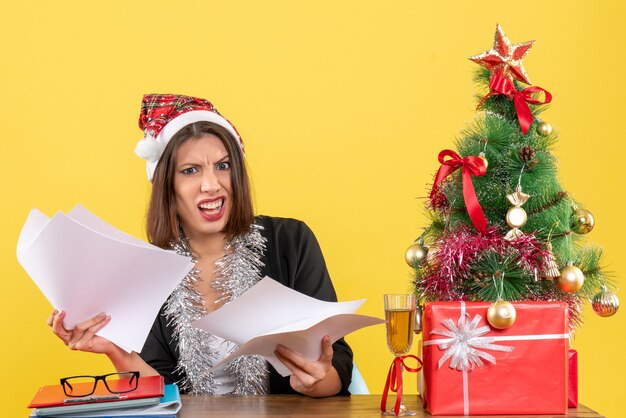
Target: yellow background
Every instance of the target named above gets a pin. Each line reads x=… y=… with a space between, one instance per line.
x=343 y=107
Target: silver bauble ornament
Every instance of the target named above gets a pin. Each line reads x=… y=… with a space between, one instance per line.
x=571 y=278
x=501 y=314
x=416 y=254
x=605 y=303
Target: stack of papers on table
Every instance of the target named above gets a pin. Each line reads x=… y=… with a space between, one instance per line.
x=85 y=266
x=269 y=313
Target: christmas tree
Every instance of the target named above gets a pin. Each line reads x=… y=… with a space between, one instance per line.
x=503 y=229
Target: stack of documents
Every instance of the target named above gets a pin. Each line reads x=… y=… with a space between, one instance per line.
x=85 y=266
x=269 y=314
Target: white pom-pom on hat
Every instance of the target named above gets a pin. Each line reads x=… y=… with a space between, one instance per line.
x=149 y=149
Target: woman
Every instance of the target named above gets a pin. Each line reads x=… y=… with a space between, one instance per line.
x=201 y=207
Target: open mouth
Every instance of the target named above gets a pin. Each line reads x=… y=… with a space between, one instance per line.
x=211 y=208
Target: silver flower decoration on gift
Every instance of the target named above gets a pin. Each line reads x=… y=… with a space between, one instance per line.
x=465 y=343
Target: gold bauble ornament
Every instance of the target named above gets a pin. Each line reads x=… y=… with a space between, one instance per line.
x=544 y=128
x=571 y=278
x=582 y=221
x=484 y=158
x=415 y=254
x=605 y=303
x=501 y=314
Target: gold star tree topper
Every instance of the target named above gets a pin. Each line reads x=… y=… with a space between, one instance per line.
x=505 y=58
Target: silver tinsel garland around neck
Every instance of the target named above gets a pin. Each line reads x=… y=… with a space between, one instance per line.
x=236 y=272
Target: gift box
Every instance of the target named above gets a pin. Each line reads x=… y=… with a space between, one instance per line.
x=572 y=390
x=473 y=368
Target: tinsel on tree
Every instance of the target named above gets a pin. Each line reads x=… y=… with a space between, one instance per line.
x=503 y=228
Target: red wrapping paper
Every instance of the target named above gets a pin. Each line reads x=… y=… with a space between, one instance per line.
x=532 y=379
x=572 y=389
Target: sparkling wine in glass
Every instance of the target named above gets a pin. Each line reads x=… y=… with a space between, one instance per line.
x=400 y=320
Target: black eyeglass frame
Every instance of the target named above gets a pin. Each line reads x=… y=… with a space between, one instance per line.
x=64 y=382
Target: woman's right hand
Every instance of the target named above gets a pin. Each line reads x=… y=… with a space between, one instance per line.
x=83 y=336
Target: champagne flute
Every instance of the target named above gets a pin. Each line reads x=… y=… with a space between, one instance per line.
x=400 y=319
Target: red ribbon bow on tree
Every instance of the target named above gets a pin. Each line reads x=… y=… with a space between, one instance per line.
x=503 y=85
x=471 y=166
x=394 y=381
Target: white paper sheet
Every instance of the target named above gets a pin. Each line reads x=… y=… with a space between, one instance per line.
x=85 y=266
x=270 y=313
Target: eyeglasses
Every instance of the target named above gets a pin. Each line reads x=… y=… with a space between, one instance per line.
x=121 y=382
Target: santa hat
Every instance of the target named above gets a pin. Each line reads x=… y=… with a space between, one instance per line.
x=162 y=115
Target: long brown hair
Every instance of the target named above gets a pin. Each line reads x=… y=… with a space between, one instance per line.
x=162 y=220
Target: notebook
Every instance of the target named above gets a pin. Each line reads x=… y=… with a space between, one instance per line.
x=167 y=407
x=53 y=395
x=109 y=407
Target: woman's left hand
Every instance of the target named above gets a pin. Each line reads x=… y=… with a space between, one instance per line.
x=317 y=378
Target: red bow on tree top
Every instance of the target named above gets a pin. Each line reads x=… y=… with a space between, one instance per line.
x=500 y=84
x=471 y=166
x=504 y=61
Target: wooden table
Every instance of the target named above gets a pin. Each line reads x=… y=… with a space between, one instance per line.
x=355 y=406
